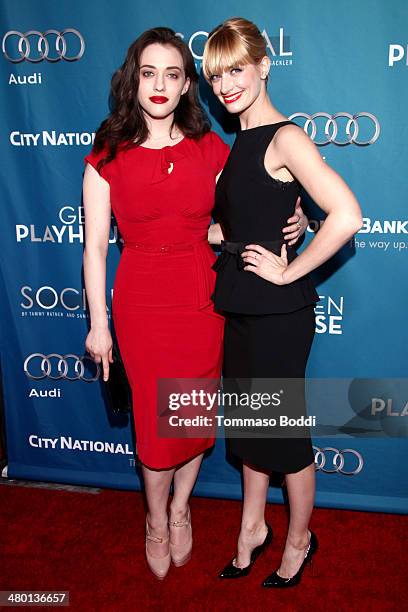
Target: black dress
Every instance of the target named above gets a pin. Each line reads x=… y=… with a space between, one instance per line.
x=269 y=328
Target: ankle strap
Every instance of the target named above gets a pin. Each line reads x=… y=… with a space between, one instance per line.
x=152 y=537
x=184 y=523
x=155 y=539
x=179 y=523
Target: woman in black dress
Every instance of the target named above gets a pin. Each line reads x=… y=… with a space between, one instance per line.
x=263 y=287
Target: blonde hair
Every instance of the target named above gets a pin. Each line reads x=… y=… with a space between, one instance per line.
x=235 y=42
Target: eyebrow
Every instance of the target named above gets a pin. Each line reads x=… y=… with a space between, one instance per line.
x=168 y=67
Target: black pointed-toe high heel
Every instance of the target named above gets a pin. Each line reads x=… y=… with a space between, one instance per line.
x=276 y=581
x=230 y=571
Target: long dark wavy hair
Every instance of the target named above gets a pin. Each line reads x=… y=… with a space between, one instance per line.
x=126 y=127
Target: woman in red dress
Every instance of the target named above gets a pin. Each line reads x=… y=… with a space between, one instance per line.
x=155 y=163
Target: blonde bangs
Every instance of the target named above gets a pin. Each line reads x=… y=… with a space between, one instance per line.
x=224 y=50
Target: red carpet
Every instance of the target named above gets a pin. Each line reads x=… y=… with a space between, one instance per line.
x=93 y=546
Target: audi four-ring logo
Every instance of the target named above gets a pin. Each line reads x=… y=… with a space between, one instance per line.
x=331 y=460
x=44 y=41
x=42 y=367
x=331 y=128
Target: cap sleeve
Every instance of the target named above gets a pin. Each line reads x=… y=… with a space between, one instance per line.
x=218 y=151
x=94 y=158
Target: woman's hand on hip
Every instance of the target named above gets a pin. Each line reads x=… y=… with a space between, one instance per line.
x=266 y=264
x=99 y=345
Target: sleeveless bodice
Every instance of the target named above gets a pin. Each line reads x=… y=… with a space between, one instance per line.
x=253 y=207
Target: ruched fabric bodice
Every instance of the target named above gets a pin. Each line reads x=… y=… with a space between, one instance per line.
x=154 y=206
x=163 y=218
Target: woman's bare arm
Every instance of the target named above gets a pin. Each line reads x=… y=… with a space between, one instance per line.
x=97 y=209
x=330 y=193
x=296 y=151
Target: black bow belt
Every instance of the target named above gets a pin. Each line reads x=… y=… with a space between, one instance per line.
x=237 y=248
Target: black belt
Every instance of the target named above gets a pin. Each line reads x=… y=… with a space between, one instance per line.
x=237 y=248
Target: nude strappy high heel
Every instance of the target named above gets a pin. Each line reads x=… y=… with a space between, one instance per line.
x=158 y=565
x=181 y=553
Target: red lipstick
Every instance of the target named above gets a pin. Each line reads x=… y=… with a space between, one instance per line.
x=159 y=99
x=232 y=98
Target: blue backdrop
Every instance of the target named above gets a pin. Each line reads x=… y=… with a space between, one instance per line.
x=57 y=61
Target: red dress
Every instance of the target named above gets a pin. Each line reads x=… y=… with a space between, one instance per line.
x=163 y=315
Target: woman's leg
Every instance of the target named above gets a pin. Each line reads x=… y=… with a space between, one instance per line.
x=157 y=487
x=253 y=527
x=184 y=480
x=301 y=492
